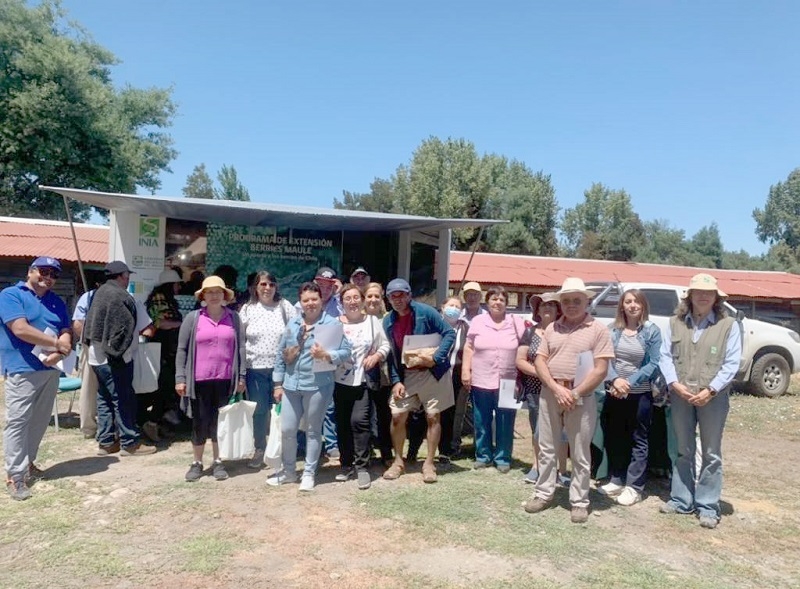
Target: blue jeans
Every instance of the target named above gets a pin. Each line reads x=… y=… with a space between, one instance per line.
x=329 y=428
x=259 y=389
x=116 y=405
x=703 y=496
x=484 y=406
x=313 y=405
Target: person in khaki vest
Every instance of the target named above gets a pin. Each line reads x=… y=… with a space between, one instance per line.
x=700 y=354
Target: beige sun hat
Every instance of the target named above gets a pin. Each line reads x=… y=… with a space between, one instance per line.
x=536 y=300
x=471 y=286
x=573 y=285
x=704 y=281
x=215 y=282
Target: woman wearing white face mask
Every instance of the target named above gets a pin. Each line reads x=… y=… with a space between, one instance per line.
x=453 y=418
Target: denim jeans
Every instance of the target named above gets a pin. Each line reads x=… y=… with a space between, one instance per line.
x=329 y=428
x=703 y=496
x=484 y=405
x=627 y=433
x=259 y=389
x=312 y=404
x=116 y=405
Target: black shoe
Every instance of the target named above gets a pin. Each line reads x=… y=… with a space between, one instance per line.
x=219 y=471
x=195 y=471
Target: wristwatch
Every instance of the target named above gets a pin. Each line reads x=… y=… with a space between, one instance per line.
x=713 y=392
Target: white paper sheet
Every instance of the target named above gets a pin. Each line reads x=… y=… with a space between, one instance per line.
x=415 y=342
x=328 y=337
x=584 y=367
x=506 y=398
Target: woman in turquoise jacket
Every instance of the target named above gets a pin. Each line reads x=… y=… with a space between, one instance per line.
x=306 y=392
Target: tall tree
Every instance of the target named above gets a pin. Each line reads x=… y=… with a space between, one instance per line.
x=779 y=220
x=199 y=184
x=230 y=187
x=707 y=244
x=604 y=226
x=62 y=120
x=379 y=199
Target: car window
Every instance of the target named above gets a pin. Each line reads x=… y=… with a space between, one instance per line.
x=662 y=302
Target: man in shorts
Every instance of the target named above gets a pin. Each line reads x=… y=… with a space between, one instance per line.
x=428 y=383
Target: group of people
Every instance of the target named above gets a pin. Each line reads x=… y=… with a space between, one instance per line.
x=350 y=369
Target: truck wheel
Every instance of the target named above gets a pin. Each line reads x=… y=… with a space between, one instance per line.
x=770 y=375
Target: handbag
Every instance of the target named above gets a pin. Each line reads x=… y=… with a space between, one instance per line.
x=272 y=455
x=373 y=377
x=146 y=367
x=235 y=429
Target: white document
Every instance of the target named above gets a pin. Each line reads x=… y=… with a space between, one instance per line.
x=43 y=352
x=65 y=365
x=506 y=399
x=584 y=367
x=415 y=342
x=328 y=337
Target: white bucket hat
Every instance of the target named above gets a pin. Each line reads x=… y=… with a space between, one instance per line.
x=168 y=275
x=704 y=282
x=573 y=285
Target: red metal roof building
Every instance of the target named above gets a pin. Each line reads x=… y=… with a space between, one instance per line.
x=755 y=292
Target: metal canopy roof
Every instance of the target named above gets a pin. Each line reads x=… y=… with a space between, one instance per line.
x=264 y=214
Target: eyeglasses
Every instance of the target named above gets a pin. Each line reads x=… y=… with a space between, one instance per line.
x=355 y=299
x=268 y=284
x=48 y=272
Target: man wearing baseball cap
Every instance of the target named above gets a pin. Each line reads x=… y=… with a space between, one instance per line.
x=32 y=317
x=361 y=278
x=110 y=331
x=427 y=383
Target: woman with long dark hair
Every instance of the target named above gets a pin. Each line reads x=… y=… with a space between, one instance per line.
x=627 y=409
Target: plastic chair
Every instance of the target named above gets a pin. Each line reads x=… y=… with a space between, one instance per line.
x=66 y=384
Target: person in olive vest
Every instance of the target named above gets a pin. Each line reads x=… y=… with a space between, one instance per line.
x=700 y=354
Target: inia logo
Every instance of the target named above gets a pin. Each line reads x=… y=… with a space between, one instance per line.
x=148 y=226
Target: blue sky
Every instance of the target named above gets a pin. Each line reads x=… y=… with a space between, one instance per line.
x=691 y=107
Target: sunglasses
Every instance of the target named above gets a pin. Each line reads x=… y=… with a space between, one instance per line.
x=48 y=272
x=270 y=284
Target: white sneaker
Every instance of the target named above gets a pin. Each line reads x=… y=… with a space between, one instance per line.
x=281 y=478
x=610 y=489
x=307 y=483
x=629 y=496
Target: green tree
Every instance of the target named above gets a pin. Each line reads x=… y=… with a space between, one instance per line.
x=662 y=244
x=199 y=184
x=62 y=120
x=707 y=244
x=379 y=199
x=230 y=187
x=604 y=226
x=779 y=220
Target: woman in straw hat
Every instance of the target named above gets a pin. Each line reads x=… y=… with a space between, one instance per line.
x=700 y=356
x=210 y=366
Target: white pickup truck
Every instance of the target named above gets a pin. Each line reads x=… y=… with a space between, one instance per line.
x=770 y=353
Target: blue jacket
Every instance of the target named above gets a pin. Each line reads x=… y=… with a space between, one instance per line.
x=426 y=320
x=649 y=336
x=299 y=376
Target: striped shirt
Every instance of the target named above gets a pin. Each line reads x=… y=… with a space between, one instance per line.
x=562 y=344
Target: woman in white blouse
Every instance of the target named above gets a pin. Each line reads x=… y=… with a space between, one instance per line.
x=264 y=318
x=351 y=394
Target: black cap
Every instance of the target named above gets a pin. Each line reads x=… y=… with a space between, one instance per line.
x=326 y=272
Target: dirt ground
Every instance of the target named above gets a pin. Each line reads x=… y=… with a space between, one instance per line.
x=133 y=522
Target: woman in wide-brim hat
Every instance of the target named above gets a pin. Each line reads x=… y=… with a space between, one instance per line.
x=700 y=356
x=545 y=309
x=209 y=368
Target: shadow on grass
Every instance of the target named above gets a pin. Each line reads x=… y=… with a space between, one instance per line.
x=80 y=467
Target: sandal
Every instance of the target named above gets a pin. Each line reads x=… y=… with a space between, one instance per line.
x=394 y=471
x=428 y=473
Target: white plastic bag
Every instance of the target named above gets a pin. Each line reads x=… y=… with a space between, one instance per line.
x=146 y=367
x=272 y=455
x=235 y=430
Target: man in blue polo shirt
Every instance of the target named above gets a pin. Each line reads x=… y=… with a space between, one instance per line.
x=32 y=315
